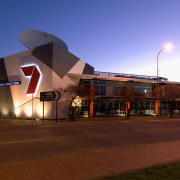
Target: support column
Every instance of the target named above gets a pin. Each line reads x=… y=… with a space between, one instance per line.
x=157 y=107
x=127 y=101
x=127 y=109
x=92 y=100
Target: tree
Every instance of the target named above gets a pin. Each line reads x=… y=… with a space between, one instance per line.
x=169 y=93
x=137 y=97
x=73 y=94
x=130 y=96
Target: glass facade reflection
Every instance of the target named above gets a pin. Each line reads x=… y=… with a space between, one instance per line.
x=109 y=98
x=110 y=107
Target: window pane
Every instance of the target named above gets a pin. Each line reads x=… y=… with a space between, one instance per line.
x=96 y=90
x=102 y=90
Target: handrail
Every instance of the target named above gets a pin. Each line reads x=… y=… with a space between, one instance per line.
x=26 y=102
x=29 y=101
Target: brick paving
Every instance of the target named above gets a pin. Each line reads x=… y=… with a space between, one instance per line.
x=87 y=165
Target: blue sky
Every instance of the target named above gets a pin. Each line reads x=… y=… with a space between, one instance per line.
x=122 y=36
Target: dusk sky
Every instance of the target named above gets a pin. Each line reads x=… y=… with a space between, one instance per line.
x=122 y=36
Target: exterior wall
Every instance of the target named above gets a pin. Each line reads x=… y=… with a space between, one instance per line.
x=6 y=101
x=18 y=92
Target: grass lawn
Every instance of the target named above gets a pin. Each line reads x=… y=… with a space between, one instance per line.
x=170 y=171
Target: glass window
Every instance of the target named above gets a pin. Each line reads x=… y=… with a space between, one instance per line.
x=102 y=90
x=152 y=105
x=84 y=105
x=96 y=82
x=147 y=105
x=86 y=83
x=110 y=108
x=178 y=105
x=96 y=90
x=102 y=82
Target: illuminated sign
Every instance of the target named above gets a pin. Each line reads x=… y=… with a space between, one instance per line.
x=50 y=96
x=33 y=72
x=10 y=83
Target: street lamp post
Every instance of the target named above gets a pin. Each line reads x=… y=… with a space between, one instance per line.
x=158 y=103
x=167 y=47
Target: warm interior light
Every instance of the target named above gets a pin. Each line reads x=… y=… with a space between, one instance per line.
x=168 y=46
x=28 y=111
x=40 y=111
x=17 y=112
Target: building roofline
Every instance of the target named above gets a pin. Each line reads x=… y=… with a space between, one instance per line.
x=108 y=78
x=136 y=76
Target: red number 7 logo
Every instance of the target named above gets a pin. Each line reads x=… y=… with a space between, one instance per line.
x=35 y=76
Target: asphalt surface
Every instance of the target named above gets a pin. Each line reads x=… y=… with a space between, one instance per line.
x=24 y=141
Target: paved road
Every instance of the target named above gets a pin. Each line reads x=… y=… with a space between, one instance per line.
x=34 y=141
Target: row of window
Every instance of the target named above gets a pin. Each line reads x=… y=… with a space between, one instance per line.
x=101 y=87
x=114 y=107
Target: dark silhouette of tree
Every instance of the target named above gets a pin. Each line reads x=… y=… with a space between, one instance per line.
x=169 y=93
x=132 y=96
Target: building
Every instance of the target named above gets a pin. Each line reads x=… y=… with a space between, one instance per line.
x=44 y=68
x=115 y=92
x=48 y=66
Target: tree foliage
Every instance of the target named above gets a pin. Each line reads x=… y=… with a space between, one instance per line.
x=169 y=93
x=131 y=96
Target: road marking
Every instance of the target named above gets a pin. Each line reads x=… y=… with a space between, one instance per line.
x=168 y=129
x=31 y=140
x=156 y=120
x=15 y=132
x=45 y=125
x=69 y=125
x=126 y=121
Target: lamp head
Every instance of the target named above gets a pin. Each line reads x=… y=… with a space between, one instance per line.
x=168 y=46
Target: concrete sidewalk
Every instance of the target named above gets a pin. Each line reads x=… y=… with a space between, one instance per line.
x=87 y=165
x=21 y=122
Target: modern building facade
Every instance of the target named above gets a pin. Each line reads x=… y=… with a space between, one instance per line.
x=52 y=63
x=49 y=67
x=114 y=91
